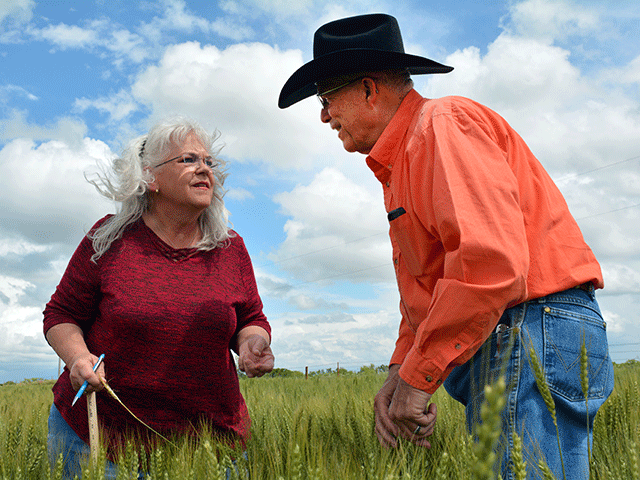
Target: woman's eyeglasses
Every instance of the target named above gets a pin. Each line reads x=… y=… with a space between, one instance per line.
x=190 y=159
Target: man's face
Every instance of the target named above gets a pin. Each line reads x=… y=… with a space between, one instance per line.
x=346 y=109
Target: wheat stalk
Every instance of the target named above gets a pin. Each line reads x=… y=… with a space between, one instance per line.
x=584 y=382
x=115 y=397
x=519 y=464
x=488 y=432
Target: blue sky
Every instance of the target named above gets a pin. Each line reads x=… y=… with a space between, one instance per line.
x=80 y=78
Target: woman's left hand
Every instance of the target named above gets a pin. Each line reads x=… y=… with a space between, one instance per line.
x=256 y=357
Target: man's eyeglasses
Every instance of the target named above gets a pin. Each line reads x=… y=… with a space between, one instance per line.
x=190 y=159
x=324 y=102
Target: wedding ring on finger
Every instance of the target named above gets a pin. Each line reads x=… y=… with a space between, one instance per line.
x=417 y=430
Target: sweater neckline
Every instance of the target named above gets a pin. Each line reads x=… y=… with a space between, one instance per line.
x=173 y=254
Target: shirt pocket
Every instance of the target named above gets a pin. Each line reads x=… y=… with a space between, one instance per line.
x=403 y=231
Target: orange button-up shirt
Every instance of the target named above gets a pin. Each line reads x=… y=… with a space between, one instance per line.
x=477 y=226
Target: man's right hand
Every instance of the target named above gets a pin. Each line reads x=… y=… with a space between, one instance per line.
x=386 y=430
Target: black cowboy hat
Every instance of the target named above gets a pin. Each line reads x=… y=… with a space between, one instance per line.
x=353 y=45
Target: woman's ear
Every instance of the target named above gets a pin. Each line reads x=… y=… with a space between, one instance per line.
x=152 y=185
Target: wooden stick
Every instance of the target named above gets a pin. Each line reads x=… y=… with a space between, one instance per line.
x=94 y=434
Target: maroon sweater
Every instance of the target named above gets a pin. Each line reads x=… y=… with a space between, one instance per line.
x=166 y=320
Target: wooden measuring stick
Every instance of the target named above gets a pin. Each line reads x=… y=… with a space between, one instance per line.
x=94 y=434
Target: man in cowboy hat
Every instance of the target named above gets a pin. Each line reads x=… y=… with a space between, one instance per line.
x=489 y=262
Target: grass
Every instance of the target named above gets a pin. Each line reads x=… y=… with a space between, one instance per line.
x=321 y=428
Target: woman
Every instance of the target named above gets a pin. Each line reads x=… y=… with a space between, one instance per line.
x=164 y=289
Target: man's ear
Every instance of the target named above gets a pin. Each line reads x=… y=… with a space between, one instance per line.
x=370 y=87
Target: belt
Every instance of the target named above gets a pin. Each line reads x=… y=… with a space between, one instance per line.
x=504 y=320
x=587 y=287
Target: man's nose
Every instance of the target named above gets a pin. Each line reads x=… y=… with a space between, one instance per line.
x=324 y=115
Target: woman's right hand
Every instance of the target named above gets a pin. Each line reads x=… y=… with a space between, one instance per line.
x=67 y=339
x=81 y=369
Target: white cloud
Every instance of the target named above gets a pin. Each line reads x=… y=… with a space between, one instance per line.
x=48 y=199
x=615 y=323
x=239 y=194
x=67 y=129
x=68 y=36
x=11 y=244
x=118 y=107
x=221 y=89
x=621 y=279
x=556 y=19
x=20 y=11
x=342 y=224
x=321 y=341
x=20 y=326
x=8 y=90
x=177 y=17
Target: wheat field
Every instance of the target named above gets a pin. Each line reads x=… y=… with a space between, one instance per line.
x=320 y=428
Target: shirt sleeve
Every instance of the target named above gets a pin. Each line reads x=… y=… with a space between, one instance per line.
x=469 y=201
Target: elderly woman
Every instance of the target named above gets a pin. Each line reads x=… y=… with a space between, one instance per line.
x=165 y=289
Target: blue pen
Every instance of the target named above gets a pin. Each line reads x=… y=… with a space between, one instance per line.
x=86 y=383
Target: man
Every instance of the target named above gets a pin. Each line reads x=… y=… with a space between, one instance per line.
x=489 y=262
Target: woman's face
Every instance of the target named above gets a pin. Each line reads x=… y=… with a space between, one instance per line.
x=186 y=182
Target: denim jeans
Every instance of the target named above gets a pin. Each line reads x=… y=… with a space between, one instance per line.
x=62 y=439
x=75 y=453
x=555 y=327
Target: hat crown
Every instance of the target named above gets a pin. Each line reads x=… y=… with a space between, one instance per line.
x=370 y=32
x=365 y=43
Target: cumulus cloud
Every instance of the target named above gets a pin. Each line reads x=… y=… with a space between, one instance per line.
x=67 y=129
x=322 y=341
x=20 y=328
x=337 y=229
x=13 y=244
x=68 y=36
x=48 y=199
x=118 y=107
x=553 y=20
x=220 y=88
x=18 y=11
x=176 y=16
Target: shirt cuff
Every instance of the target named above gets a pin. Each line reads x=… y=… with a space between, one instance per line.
x=421 y=374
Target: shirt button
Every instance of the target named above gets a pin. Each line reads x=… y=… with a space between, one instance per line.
x=458 y=346
x=429 y=379
x=387 y=184
x=389 y=166
x=395 y=260
x=439 y=382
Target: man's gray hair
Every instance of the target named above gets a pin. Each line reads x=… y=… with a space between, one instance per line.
x=397 y=79
x=128 y=177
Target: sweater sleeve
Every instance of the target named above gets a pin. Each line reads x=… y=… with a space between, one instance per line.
x=76 y=298
x=250 y=311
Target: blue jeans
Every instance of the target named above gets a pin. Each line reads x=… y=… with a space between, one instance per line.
x=62 y=439
x=554 y=327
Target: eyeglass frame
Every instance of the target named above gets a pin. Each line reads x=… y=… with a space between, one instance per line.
x=192 y=156
x=334 y=89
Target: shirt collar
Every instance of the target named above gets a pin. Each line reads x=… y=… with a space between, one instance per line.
x=383 y=154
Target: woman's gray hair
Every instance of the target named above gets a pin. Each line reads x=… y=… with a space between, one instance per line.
x=128 y=179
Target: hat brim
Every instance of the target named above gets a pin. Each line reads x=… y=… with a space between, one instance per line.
x=302 y=84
